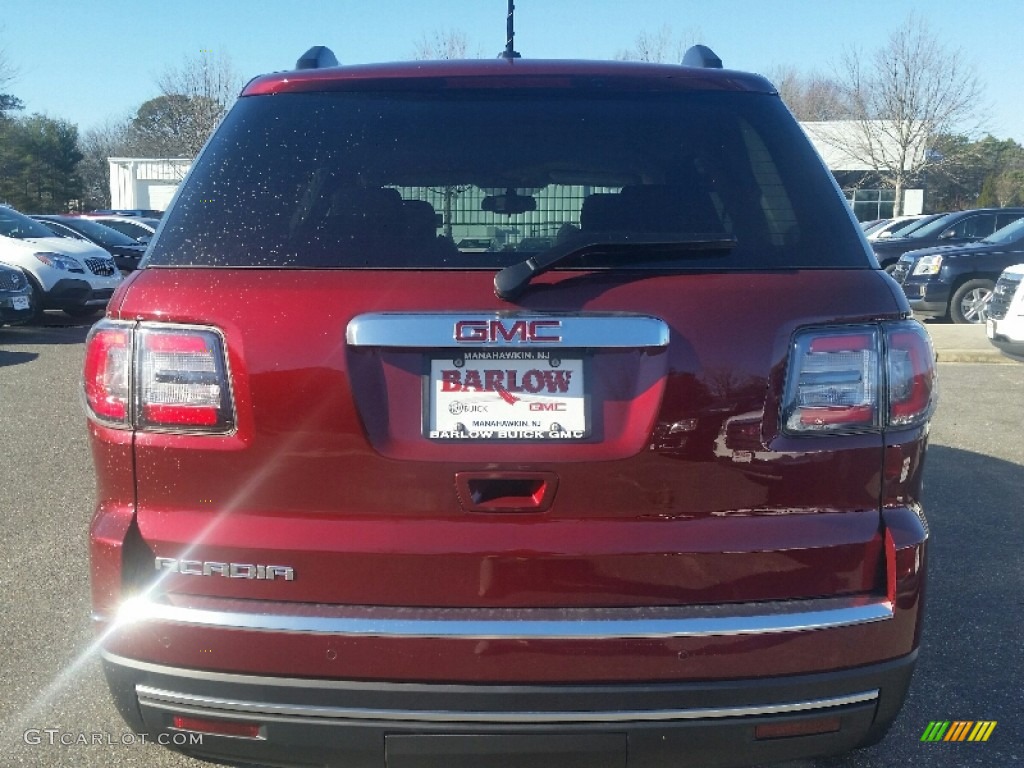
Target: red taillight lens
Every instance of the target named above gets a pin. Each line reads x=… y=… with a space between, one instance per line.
x=859 y=378
x=157 y=376
x=181 y=380
x=106 y=379
x=833 y=381
x=911 y=374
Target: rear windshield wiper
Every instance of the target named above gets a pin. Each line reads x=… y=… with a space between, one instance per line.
x=510 y=282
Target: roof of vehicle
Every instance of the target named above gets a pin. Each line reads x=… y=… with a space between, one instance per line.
x=490 y=73
x=89 y=228
x=148 y=221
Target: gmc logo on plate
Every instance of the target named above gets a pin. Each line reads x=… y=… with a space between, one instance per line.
x=501 y=331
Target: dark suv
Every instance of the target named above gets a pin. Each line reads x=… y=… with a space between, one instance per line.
x=957 y=282
x=650 y=494
x=953 y=229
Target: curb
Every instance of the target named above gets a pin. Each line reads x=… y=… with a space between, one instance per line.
x=964 y=344
x=972 y=356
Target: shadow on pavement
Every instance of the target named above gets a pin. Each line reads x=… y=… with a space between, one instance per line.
x=969 y=663
x=15 y=358
x=54 y=328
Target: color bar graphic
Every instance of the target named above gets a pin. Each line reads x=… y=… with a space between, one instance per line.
x=959 y=730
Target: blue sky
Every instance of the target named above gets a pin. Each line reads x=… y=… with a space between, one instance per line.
x=88 y=62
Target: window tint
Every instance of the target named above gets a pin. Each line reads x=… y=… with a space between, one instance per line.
x=1004 y=219
x=473 y=179
x=19 y=226
x=98 y=232
x=59 y=230
x=977 y=226
x=1010 y=233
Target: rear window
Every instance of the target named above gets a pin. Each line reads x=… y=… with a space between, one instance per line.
x=99 y=233
x=465 y=179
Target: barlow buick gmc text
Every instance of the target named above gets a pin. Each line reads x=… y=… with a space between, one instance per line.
x=645 y=494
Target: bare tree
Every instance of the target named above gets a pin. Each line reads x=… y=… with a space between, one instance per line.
x=902 y=97
x=662 y=46
x=97 y=145
x=811 y=97
x=8 y=72
x=193 y=99
x=442 y=44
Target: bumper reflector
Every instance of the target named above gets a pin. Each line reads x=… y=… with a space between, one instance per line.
x=235 y=729
x=800 y=728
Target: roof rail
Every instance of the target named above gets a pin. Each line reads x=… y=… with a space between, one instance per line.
x=317 y=57
x=701 y=56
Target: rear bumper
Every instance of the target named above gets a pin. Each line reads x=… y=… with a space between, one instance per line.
x=71 y=293
x=10 y=315
x=321 y=722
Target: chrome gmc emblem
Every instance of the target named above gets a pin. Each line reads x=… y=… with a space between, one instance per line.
x=508 y=331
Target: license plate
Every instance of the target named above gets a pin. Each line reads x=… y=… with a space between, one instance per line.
x=990 y=328
x=20 y=302
x=494 y=395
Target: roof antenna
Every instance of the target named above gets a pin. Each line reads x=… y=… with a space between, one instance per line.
x=510 y=33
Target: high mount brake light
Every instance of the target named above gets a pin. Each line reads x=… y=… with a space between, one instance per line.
x=159 y=377
x=859 y=379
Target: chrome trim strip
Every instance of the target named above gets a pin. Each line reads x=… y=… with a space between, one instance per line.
x=437 y=330
x=514 y=624
x=208 y=705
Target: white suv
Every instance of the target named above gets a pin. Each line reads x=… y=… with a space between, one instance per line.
x=72 y=275
x=1006 y=313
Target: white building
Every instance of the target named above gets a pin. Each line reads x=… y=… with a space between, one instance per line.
x=145 y=183
x=837 y=142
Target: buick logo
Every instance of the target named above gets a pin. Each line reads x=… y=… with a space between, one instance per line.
x=457 y=408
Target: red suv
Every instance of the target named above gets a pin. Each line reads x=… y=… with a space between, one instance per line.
x=648 y=494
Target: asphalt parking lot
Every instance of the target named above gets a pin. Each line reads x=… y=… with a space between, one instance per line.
x=55 y=710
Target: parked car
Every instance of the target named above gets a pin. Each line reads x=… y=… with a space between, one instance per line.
x=535 y=243
x=476 y=245
x=142 y=212
x=957 y=228
x=15 y=297
x=139 y=228
x=900 y=227
x=1005 y=324
x=126 y=251
x=75 y=276
x=363 y=497
x=956 y=282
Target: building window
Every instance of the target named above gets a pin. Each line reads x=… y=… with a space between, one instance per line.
x=870 y=204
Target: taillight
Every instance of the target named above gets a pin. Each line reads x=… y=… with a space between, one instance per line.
x=106 y=377
x=159 y=377
x=859 y=379
x=181 y=380
x=833 y=381
x=911 y=374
